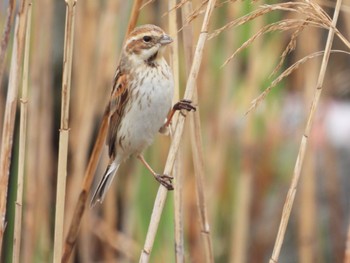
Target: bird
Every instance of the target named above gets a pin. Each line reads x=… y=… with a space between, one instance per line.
x=140 y=103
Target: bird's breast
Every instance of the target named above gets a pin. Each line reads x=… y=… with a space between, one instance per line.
x=150 y=102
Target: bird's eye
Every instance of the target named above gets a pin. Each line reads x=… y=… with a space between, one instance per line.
x=147 y=38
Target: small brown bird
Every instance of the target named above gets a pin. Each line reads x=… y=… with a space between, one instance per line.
x=140 y=101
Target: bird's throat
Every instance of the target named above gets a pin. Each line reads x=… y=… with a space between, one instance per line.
x=151 y=60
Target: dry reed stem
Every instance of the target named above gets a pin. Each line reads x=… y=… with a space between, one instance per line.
x=6 y=36
x=146 y=4
x=331 y=4
x=134 y=16
x=64 y=129
x=198 y=160
x=177 y=172
x=10 y=112
x=22 y=144
x=196 y=144
x=301 y=154
x=190 y=87
x=80 y=206
x=84 y=193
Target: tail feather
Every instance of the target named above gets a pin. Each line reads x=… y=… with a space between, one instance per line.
x=104 y=184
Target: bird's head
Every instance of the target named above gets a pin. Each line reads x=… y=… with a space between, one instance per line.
x=146 y=43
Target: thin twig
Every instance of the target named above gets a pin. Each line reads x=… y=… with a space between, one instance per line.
x=64 y=129
x=22 y=143
x=190 y=87
x=298 y=165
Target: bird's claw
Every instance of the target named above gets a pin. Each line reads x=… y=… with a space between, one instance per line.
x=184 y=105
x=165 y=180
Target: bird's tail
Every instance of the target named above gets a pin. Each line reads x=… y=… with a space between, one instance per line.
x=104 y=184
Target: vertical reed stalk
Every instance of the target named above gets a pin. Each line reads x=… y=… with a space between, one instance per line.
x=198 y=159
x=92 y=165
x=22 y=143
x=190 y=87
x=196 y=143
x=301 y=154
x=64 y=129
x=177 y=172
x=10 y=112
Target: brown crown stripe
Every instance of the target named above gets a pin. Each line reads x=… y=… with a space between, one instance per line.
x=146 y=28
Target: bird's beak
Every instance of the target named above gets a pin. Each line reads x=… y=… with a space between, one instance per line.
x=165 y=40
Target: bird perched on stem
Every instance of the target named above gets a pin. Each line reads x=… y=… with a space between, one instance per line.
x=140 y=102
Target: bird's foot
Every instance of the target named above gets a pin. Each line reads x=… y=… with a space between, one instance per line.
x=165 y=180
x=184 y=105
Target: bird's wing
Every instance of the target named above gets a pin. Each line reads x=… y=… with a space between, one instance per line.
x=117 y=102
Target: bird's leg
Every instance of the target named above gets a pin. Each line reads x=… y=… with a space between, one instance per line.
x=163 y=179
x=181 y=105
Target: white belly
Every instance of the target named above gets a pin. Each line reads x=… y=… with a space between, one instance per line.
x=146 y=115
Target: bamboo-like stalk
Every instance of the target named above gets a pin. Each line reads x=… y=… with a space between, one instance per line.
x=177 y=172
x=22 y=143
x=92 y=165
x=10 y=112
x=6 y=36
x=64 y=129
x=301 y=154
x=196 y=143
x=190 y=87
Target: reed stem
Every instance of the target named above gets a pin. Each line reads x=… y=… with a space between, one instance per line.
x=304 y=141
x=64 y=129
x=22 y=143
x=190 y=87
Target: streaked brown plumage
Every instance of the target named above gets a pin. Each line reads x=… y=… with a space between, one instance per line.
x=139 y=103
